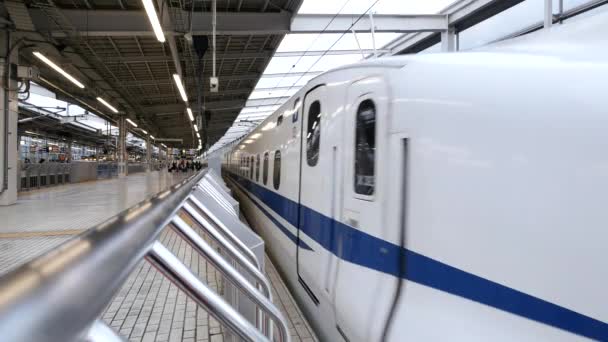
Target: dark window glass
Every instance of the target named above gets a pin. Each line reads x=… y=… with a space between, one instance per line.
x=251 y=168
x=313 y=136
x=296 y=110
x=280 y=120
x=265 y=171
x=257 y=168
x=276 y=171
x=365 y=148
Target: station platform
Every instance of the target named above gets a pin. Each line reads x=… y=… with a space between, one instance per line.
x=149 y=307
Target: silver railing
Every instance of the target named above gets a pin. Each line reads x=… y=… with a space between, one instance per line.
x=61 y=295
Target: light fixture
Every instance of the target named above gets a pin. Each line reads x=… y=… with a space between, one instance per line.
x=190 y=114
x=163 y=145
x=30 y=132
x=152 y=137
x=198 y=135
x=107 y=104
x=131 y=122
x=144 y=131
x=180 y=87
x=195 y=128
x=151 y=11
x=58 y=69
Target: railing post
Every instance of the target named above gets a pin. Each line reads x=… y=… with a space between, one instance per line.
x=170 y=266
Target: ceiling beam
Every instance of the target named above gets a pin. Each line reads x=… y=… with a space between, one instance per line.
x=327 y=53
x=135 y=23
x=238 y=91
x=317 y=23
x=143 y=83
x=162 y=58
x=180 y=107
x=460 y=16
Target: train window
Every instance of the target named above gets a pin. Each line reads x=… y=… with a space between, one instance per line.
x=257 y=168
x=265 y=171
x=365 y=148
x=313 y=137
x=251 y=168
x=279 y=120
x=276 y=170
x=296 y=110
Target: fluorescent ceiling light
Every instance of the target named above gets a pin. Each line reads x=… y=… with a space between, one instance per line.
x=58 y=69
x=107 y=104
x=152 y=137
x=195 y=127
x=143 y=130
x=190 y=114
x=163 y=145
x=151 y=11
x=198 y=135
x=131 y=122
x=180 y=87
x=30 y=132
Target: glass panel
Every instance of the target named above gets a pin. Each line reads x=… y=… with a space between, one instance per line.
x=313 y=137
x=265 y=174
x=257 y=168
x=365 y=148
x=276 y=171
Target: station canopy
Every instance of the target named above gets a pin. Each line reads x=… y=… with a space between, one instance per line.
x=302 y=56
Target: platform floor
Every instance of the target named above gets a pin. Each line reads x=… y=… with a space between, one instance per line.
x=148 y=307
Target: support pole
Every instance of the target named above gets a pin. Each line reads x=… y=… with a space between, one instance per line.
x=122 y=146
x=148 y=159
x=548 y=13
x=448 y=40
x=8 y=122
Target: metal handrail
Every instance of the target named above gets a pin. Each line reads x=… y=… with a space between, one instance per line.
x=229 y=248
x=37 y=299
x=226 y=232
x=190 y=235
x=262 y=301
x=180 y=275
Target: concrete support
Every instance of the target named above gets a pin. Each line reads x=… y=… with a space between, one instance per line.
x=448 y=40
x=149 y=148
x=548 y=13
x=8 y=123
x=69 y=156
x=122 y=147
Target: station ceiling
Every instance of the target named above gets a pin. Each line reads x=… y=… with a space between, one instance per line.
x=110 y=47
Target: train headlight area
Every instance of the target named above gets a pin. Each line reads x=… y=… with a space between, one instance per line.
x=303 y=170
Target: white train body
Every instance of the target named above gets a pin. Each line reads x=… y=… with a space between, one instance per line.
x=487 y=219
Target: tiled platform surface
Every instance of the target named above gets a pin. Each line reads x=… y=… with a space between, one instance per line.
x=148 y=307
x=81 y=205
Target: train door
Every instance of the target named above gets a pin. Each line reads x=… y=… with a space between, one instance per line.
x=316 y=194
x=362 y=295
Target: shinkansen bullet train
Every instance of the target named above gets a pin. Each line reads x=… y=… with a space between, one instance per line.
x=443 y=197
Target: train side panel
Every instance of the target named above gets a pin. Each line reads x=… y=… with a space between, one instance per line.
x=505 y=220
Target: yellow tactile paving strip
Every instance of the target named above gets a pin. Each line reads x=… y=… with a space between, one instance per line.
x=22 y=235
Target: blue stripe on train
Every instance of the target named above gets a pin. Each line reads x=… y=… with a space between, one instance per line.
x=359 y=248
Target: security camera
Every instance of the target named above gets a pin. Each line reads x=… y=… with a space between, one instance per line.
x=214 y=84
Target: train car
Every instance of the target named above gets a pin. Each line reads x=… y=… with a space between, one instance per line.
x=442 y=197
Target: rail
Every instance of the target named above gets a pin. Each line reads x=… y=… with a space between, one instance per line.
x=61 y=295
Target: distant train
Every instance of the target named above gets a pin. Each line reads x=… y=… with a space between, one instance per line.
x=443 y=197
